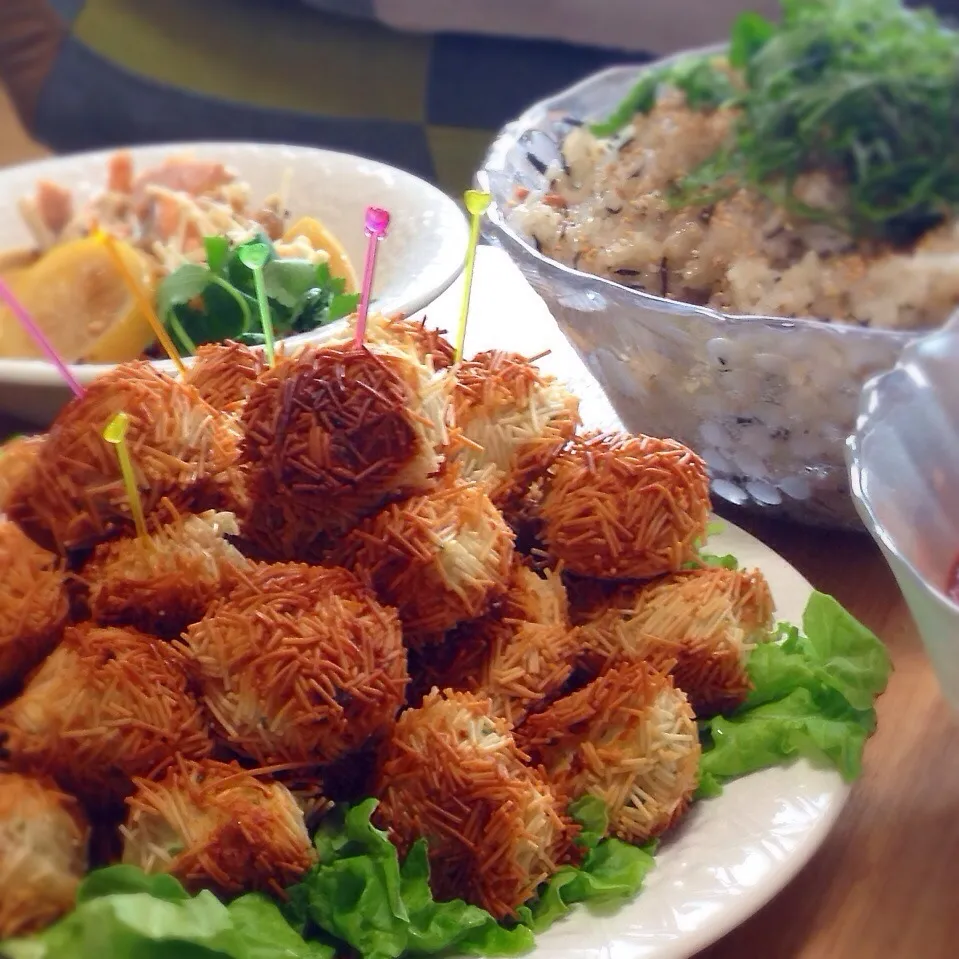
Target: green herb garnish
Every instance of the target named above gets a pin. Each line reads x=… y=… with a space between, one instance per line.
x=228 y=297
x=866 y=91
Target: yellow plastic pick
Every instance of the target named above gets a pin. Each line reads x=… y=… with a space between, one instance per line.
x=143 y=301
x=116 y=433
x=477 y=202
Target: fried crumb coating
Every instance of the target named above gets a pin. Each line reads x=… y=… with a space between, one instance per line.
x=411 y=336
x=630 y=738
x=300 y=664
x=514 y=654
x=329 y=435
x=34 y=604
x=224 y=373
x=495 y=828
x=108 y=704
x=707 y=620
x=440 y=558
x=43 y=853
x=514 y=421
x=167 y=582
x=17 y=458
x=625 y=507
x=180 y=447
x=216 y=826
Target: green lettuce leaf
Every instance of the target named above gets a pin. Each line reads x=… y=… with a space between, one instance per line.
x=813 y=696
x=122 y=913
x=361 y=894
x=612 y=870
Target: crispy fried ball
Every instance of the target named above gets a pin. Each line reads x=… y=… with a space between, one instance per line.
x=630 y=738
x=224 y=373
x=625 y=507
x=516 y=654
x=181 y=449
x=514 y=421
x=410 y=336
x=329 y=435
x=34 y=605
x=17 y=458
x=43 y=853
x=707 y=620
x=439 y=558
x=216 y=826
x=107 y=705
x=165 y=583
x=300 y=664
x=495 y=828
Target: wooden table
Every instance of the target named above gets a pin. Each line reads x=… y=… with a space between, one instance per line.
x=884 y=885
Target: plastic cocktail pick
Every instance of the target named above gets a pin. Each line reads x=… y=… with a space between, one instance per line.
x=142 y=300
x=254 y=257
x=116 y=434
x=477 y=202
x=377 y=223
x=38 y=337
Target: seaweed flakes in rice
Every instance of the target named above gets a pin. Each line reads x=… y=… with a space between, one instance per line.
x=300 y=664
x=495 y=828
x=107 y=705
x=217 y=826
x=331 y=434
x=625 y=507
x=43 y=853
x=706 y=621
x=34 y=604
x=630 y=738
x=182 y=449
x=440 y=558
x=167 y=582
x=515 y=421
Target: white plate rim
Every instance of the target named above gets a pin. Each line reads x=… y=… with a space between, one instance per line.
x=725 y=905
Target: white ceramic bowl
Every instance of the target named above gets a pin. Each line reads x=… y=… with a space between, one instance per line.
x=420 y=257
x=904 y=476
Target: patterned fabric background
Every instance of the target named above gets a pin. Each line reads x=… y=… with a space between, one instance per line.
x=133 y=71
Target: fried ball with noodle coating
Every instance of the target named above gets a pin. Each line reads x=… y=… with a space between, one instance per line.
x=495 y=828
x=708 y=620
x=43 y=853
x=34 y=605
x=440 y=558
x=428 y=347
x=108 y=704
x=217 y=826
x=331 y=434
x=514 y=420
x=630 y=738
x=165 y=583
x=300 y=664
x=181 y=448
x=17 y=458
x=224 y=373
x=625 y=507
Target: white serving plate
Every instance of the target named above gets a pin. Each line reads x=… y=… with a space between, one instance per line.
x=731 y=854
x=420 y=257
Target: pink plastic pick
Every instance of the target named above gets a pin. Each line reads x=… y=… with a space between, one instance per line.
x=38 y=337
x=377 y=223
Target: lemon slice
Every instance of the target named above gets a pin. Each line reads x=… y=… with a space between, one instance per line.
x=80 y=300
x=322 y=239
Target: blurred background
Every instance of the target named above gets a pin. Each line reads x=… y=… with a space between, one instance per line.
x=421 y=84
